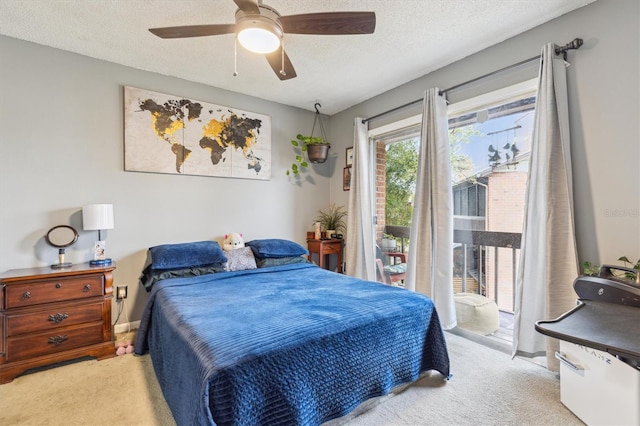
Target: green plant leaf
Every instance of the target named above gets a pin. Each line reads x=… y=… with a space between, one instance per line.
x=295 y=143
x=294 y=168
x=624 y=259
x=304 y=164
x=590 y=269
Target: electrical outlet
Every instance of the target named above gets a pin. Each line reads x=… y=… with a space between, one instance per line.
x=121 y=292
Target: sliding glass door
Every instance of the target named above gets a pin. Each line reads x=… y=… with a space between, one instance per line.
x=490 y=146
x=396 y=165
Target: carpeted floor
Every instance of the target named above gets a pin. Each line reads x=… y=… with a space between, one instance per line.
x=487 y=388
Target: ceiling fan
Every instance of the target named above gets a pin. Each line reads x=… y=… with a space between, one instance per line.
x=260 y=28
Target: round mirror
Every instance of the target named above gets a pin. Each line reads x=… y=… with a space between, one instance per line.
x=62 y=236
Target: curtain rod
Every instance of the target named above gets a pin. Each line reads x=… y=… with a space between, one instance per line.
x=574 y=44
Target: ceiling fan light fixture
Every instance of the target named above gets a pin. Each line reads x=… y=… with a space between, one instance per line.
x=258 y=40
x=259 y=33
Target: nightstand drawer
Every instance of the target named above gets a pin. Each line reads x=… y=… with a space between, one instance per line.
x=53 y=317
x=332 y=248
x=58 y=340
x=47 y=291
x=323 y=249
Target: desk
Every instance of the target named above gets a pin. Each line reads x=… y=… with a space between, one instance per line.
x=595 y=338
x=324 y=248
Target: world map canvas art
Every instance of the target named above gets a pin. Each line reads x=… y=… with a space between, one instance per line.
x=171 y=134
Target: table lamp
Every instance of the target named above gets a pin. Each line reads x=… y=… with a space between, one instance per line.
x=98 y=217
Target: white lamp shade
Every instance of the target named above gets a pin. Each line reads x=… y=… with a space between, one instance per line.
x=97 y=217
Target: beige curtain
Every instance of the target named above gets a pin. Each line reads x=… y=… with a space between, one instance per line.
x=548 y=259
x=360 y=255
x=430 y=262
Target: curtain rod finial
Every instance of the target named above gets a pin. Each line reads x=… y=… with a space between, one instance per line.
x=572 y=45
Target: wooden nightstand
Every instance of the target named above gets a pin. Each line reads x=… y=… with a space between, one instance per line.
x=324 y=248
x=51 y=315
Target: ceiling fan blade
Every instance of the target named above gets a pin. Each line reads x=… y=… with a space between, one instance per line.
x=330 y=23
x=275 y=60
x=248 y=6
x=193 y=30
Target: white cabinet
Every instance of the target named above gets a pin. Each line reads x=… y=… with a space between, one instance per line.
x=599 y=388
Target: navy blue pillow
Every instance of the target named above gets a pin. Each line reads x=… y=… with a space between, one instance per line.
x=186 y=255
x=271 y=248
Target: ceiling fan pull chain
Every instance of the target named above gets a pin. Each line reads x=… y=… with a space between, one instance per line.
x=235 y=56
x=282 y=71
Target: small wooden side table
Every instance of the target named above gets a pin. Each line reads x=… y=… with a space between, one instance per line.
x=323 y=249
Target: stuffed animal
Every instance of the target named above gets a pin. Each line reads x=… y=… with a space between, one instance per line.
x=124 y=347
x=233 y=241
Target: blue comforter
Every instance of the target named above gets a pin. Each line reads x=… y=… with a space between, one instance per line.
x=292 y=344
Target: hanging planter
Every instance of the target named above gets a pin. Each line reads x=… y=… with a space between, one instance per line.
x=318 y=153
x=316 y=147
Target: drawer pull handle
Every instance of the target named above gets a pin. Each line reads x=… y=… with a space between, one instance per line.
x=87 y=288
x=26 y=295
x=58 y=285
x=568 y=363
x=58 y=317
x=57 y=339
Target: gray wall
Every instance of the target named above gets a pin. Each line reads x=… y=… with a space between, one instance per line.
x=61 y=147
x=604 y=114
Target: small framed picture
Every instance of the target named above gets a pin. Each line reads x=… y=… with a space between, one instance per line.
x=346 y=179
x=349 y=156
x=98 y=251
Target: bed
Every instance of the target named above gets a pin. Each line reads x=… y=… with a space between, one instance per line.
x=281 y=341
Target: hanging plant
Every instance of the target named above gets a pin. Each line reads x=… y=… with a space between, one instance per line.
x=301 y=145
x=316 y=148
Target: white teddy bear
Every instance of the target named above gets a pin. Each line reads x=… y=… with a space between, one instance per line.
x=232 y=241
x=239 y=257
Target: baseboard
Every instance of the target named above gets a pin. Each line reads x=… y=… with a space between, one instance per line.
x=123 y=328
x=483 y=340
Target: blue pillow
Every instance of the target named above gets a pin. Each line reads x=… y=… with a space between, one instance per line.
x=186 y=255
x=271 y=248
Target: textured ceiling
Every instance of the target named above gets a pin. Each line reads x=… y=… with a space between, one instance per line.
x=412 y=38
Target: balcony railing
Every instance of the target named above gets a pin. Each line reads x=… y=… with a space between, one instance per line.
x=480 y=258
x=485 y=245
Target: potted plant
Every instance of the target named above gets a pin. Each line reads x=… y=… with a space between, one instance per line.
x=332 y=220
x=388 y=242
x=316 y=147
x=631 y=270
